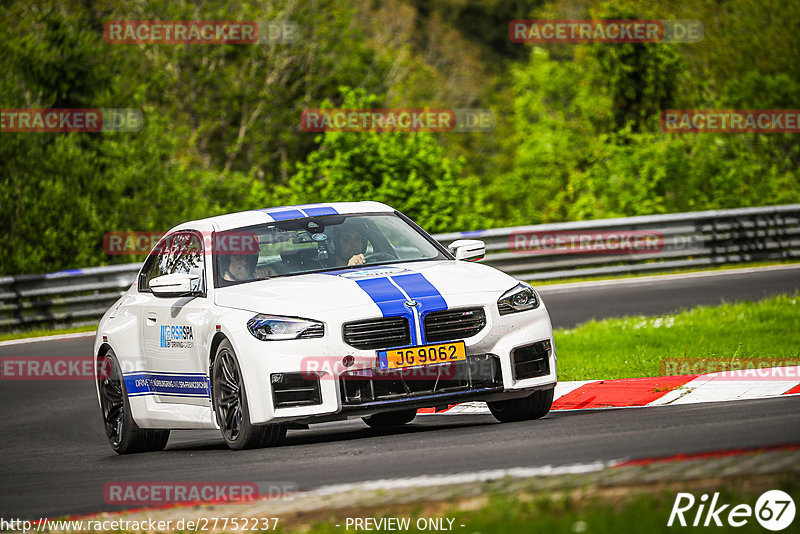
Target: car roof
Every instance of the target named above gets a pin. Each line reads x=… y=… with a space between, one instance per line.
x=267 y=215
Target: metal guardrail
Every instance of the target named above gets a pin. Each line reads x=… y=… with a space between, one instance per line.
x=705 y=238
x=686 y=240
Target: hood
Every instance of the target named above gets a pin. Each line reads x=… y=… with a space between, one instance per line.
x=303 y=295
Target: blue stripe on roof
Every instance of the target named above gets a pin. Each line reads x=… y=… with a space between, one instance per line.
x=298 y=212
x=284 y=215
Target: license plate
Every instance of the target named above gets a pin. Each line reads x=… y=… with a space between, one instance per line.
x=422 y=355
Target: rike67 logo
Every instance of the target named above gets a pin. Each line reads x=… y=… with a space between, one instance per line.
x=774 y=510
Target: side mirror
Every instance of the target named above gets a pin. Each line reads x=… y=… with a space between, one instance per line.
x=176 y=285
x=467 y=249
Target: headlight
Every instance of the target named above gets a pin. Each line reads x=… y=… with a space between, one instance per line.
x=521 y=298
x=274 y=328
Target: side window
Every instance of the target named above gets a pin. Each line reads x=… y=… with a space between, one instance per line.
x=181 y=252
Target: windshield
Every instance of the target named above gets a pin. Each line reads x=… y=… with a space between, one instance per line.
x=318 y=244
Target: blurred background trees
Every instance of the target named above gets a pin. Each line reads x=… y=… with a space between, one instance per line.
x=577 y=133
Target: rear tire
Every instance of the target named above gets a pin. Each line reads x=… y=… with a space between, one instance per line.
x=230 y=405
x=122 y=432
x=390 y=419
x=534 y=406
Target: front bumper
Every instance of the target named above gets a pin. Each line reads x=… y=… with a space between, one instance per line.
x=511 y=357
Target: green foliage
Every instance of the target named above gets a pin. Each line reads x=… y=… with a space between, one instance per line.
x=588 y=141
x=221 y=122
x=577 y=134
x=400 y=169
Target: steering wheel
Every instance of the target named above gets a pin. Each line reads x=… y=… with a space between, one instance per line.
x=379 y=256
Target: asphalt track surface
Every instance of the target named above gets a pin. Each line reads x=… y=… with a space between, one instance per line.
x=54 y=458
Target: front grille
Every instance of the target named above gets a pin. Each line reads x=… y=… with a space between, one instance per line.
x=377 y=333
x=531 y=360
x=373 y=385
x=454 y=324
x=295 y=389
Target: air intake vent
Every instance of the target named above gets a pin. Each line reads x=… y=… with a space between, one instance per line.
x=531 y=360
x=380 y=333
x=295 y=389
x=317 y=330
x=454 y=324
x=505 y=308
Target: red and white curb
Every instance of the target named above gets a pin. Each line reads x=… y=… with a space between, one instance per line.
x=658 y=391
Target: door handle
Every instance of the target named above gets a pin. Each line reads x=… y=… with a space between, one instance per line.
x=151 y=318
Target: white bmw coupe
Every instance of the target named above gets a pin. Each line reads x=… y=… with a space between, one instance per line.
x=255 y=322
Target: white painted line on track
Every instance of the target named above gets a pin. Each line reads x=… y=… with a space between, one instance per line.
x=59 y=337
x=563 y=388
x=571 y=286
x=426 y=481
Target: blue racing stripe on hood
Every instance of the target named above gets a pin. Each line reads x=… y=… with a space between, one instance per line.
x=390 y=300
x=420 y=289
x=391 y=292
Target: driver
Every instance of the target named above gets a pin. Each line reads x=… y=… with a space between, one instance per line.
x=350 y=245
x=238 y=256
x=238 y=267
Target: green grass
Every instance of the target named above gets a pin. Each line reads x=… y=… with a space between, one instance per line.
x=629 y=510
x=45 y=332
x=635 y=346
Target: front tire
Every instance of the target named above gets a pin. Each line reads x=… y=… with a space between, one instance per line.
x=230 y=405
x=390 y=419
x=122 y=432
x=534 y=406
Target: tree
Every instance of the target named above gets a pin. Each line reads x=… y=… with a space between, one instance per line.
x=408 y=171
